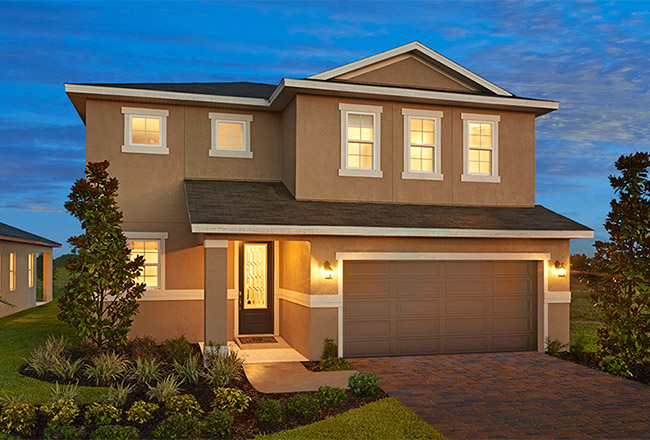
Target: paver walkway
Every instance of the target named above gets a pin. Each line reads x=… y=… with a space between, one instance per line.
x=514 y=396
x=292 y=377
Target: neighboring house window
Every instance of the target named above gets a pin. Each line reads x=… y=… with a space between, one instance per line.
x=480 y=148
x=422 y=150
x=12 y=271
x=30 y=270
x=360 y=140
x=145 y=130
x=231 y=135
x=150 y=246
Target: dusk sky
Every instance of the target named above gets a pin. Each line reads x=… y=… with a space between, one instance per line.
x=592 y=57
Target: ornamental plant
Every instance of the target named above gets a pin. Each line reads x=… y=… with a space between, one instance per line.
x=620 y=279
x=99 y=301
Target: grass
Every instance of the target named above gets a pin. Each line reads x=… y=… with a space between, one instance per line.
x=383 y=419
x=585 y=318
x=19 y=334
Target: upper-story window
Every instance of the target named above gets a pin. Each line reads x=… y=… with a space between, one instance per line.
x=422 y=150
x=231 y=135
x=480 y=148
x=150 y=246
x=30 y=270
x=12 y=271
x=360 y=140
x=145 y=130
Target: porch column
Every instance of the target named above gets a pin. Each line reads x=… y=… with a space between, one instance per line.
x=47 y=276
x=215 y=303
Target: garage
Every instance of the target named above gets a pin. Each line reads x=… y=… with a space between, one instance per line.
x=433 y=307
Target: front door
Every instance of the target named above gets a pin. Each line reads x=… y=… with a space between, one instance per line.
x=256 y=289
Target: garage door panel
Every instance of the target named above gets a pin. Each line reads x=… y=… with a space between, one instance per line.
x=418 y=327
x=370 y=288
x=465 y=287
x=465 y=268
x=469 y=306
x=512 y=286
x=366 y=309
x=420 y=288
x=513 y=306
x=516 y=342
x=367 y=347
x=365 y=329
x=513 y=324
x=414 y=308
x=510 y=268
x=417 y=269
x=466 y=344
x=417 y=346
x=467 y=326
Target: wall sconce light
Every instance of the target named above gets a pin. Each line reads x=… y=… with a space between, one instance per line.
x=560 y=269
x=327 y=271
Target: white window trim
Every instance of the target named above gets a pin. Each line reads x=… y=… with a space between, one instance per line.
x=371 y=110
x=129 y=113
x=490 y=119
x=12 y=273
x=215 y=151
x=161 y=237
x=436 y=116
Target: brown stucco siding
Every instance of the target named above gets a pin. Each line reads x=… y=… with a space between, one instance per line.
x=559 y=322
x=289 y=146
x=295 y=326
x=295 y=258
x=324 y=324
x=169 y=319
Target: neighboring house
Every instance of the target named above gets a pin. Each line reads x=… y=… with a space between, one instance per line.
x=388 y=204
x=18 y=254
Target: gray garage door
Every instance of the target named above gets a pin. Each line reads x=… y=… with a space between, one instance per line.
x=428 y=307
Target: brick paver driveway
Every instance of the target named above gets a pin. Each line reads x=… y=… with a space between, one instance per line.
x=514 y=395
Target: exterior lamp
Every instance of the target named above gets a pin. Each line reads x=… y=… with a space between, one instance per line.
x=560 y=269
x=327 y=271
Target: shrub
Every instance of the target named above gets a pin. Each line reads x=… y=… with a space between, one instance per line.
x=43 y=358
x=270 y=411
x=66 y=369
x=114 y=432
x=554 y=347
x=141 y=412
x=102 y=414
x=143 y=347
x=331 y=396
x=61 y=412
x=18 y=418
x=614 y=365
x=164 y=389
x=218 y=424
x=63 y=432
x=190 y=371
x=183 y=404
x=58 y=392
x=106 y=368
x=221 y=368
x=178 y=426
x=303 y=406
x=230 y=399
x=364 y=384
x=335 y=364
x=118 y=394
x=330 y=349
x=145 y=371
x=179 y=349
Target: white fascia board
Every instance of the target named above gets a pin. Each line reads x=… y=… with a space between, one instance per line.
x=205 y=228
x=413 y=46
x=156 y=94
x=399 y=92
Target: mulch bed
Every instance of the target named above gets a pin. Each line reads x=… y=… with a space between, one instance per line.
x=640 y=372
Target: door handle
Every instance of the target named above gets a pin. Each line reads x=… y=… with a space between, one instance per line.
x=241 y=300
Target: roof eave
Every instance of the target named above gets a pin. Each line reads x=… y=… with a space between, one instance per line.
x=45 y=242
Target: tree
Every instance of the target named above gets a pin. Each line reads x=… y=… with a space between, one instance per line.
x=100 y=299
x=621 y=284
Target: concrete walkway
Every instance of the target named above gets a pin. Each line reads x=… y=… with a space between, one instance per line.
x=292 y=377
x=514 y=396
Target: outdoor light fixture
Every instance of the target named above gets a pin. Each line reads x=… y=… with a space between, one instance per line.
x=560 y=269
x=327 y=271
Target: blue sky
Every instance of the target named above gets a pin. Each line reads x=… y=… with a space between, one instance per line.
x=590 y=56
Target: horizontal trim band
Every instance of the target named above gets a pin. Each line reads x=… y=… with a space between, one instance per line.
x=557 y=297
x=442 y=256
x=311 y=301
x=207 y=228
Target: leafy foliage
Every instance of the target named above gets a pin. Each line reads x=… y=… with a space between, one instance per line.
x=179 y=349
x=17 y=418
x=335 y=364
x=222 y=368
x=179 y=426
x=614 y=365
x=106 y=368
x=330 y=349
x=331 y=396
x=44 y=357
x=101 y=267
x=145 y=371
x=69 y=392
x=102 y=414
x=554 y=346
x=117 y=394
x=115 y=432
x=189 y=372
x=61 y=412
x=303 y=406
x=164 y=389
x=230 y=400
x=364 y=384
x=141 y=412
x=270 y=411
x=63 y=432
x=620 y=269
x=218 y=424
x=184 y=404
x=142 y=347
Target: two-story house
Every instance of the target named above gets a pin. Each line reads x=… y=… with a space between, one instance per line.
x=388 y=204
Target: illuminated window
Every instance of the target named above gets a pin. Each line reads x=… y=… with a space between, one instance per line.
x=480 y=141
x=422 y=150
x=30 y=270
x=360 y=140
x=145 y=131
x=230 y=135
x=12 y=271
x=149 y=250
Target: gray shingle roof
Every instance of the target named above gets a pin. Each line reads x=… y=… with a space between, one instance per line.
x=14 y=234
x=270 y=203
x=241 y=89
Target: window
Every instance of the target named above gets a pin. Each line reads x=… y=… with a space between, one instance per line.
x=30 y=270
x=12 y=271
x=145 y=131
x=360 y=140
x=422 y=150
x=480 y=148
x=231 y=135
x=150 y=246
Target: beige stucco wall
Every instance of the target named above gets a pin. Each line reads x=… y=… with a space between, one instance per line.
x=169 y=319
x=319 y=145
x=295 y=266
x=295 y=326
x=289 y=146
x=24 y=296
x=559 y=322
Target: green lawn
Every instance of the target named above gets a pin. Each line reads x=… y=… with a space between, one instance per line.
x=584 y=316
x=21 y=332
x=383 y=419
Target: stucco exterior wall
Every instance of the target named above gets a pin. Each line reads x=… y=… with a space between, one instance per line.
x=24 y=296
x=295 y=266
x=295 y=326
x=289 y=146
x=169 y=319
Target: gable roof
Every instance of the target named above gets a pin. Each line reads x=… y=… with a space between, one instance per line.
x=269 y=208
x=423 y=51
x=241 y=89
x=9 y=233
